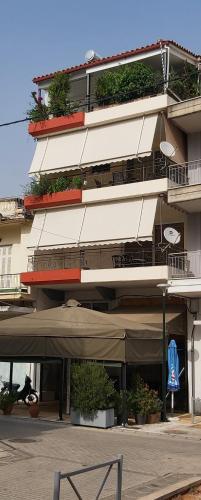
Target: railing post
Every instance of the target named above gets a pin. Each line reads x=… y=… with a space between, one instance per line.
x=119 y=477
x=56 y=493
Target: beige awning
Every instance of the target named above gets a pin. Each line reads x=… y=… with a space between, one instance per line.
x=58 y=153
x=152 y=316
x=77 y=332
x=118 y=222
x=100 y=224
x=56 y=228
x=96 y=145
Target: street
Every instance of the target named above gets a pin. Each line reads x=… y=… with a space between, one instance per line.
x=31 y=450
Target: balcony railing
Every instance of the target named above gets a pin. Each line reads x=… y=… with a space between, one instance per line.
x=185 y=174
x=185 y=264
x=99 y=258
x=10 y=283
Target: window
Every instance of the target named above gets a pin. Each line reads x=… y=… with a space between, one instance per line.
x=5 y=266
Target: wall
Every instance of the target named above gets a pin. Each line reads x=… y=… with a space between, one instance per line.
x=194 y=146
x=197 y=358
x=17 y=236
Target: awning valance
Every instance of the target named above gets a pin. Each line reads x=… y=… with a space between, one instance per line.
x=96 y=145
x=100 y=224
x=152 y=316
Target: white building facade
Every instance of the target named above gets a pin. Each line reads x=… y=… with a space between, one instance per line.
x=104 y=241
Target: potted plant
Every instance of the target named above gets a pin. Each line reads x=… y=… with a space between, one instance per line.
x=155 y=406
x=139 y=401
x=7 y=400
x=32 y=402
x=92 y=394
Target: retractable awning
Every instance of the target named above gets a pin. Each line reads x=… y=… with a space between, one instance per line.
x=100 y=224
x=96 y=145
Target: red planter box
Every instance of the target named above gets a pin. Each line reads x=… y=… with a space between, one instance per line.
x=53 y=200
x=46 y=127
x=55 y=276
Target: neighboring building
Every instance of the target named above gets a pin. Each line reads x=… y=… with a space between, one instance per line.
x=108 y=242
x=15 y=297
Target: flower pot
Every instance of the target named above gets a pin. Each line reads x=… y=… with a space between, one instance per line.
x=102 y=418
x=8 y=410
x=34 y=410
x=154 y=418
x=140 y=419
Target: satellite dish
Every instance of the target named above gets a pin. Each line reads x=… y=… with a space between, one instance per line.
x=91 y=55
x=172 y=235
x=167 y=149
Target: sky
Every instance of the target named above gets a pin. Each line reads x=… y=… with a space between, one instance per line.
x=40 y=37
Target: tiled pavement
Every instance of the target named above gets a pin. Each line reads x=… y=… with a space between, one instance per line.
x=30 y=451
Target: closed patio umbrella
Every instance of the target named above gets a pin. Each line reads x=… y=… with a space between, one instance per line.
x=173 y=371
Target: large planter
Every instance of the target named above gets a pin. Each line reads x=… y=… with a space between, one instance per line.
x=68 y=197
x=8 y=410
x=103 y=418
x=34 y=410
x=59 y=124
x=154 y=418
x=140 y=419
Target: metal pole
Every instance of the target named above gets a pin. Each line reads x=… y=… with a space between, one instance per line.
x=68 y=370
x=124 y=394
x=61 y=389
x=172 y=403
x=164 y=375
x=56 y=493
x=119 y=477
x=88 y=76
x=11 y=376
x=192 y=377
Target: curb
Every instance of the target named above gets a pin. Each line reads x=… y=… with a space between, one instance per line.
x=173 y=490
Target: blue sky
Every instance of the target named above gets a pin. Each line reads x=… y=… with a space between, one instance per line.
x=40 y=37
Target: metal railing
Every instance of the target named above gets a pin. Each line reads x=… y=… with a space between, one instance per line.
x=185 y=264
x=10 y=282
x=98 y=258
x=185 y=174
x=124 y=172
x=58 y=476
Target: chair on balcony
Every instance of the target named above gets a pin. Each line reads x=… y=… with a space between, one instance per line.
x=117 y=260
x=118 y=178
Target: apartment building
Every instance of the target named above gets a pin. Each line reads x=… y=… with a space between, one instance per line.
x=109 y=239
x=15 y=297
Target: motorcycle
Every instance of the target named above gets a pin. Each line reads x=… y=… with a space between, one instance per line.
x=27 y=394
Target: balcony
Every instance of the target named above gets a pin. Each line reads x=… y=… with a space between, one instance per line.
x=11 y=284
x=112 y=263
x=185 y=273
x=56 y=125
x=185 y=185
x=131 y=178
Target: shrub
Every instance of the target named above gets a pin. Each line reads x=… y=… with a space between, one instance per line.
x=76 y=182
x=37 y=187
x=92 y=390
x=7 y=399
x=184 y=83
x=38 y=113
x=59 y=99
x=127 y=82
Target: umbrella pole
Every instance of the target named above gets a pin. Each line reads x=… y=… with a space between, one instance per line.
x=61 y=390
x=124 y=394
x=172 y=403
